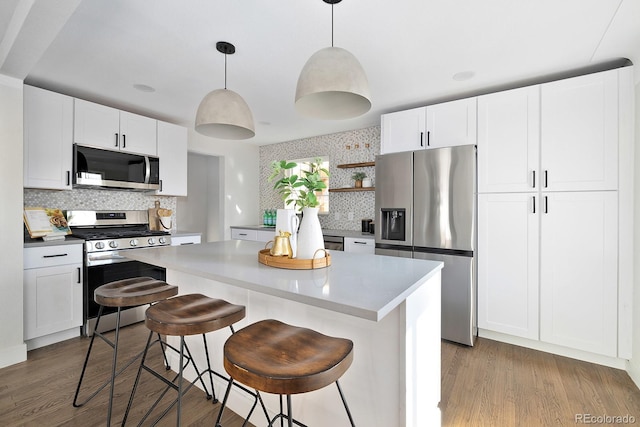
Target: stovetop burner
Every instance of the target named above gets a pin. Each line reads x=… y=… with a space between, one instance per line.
x=100 y=234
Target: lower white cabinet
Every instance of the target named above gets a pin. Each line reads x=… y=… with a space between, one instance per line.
x=579 y=271
x=194 y=239
x=52 y=293
x=251 y=234
x=359 y=245
x=573 y=301
x=508 y=241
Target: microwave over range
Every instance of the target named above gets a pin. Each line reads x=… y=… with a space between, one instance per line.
x=100 y=168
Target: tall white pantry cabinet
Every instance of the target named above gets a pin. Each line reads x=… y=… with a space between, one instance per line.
x=555 y=197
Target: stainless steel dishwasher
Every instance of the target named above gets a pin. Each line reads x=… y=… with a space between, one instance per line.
x=335 y=243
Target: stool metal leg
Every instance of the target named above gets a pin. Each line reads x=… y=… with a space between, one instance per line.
x=113 y=367
x=84 y=367
x=344 y=402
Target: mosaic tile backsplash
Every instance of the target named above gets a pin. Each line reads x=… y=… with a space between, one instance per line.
x=356 y=146
x=85 y=199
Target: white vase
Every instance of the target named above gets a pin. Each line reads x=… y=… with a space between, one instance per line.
x=287 y=220
x=310 y=235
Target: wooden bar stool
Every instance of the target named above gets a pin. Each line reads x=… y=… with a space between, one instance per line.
x=121 y=294
x=184 y=315
x=277 y=358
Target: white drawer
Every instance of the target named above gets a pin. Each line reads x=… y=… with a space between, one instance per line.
x=244 y=234
x=359 y=245
x=48 y=256
x=185 y=240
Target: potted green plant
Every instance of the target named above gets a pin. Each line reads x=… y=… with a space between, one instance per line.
x=303 y=187
x=301 y=191
x=358 y=177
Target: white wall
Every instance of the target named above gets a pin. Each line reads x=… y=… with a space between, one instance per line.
x=634 y=363
x=240 y=172
x=12 y=347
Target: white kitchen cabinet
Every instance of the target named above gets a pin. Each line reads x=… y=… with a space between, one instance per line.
x=359 y=245
x=579 y=133
x=192 y=239
x=508 y=241
x=48 y=139
x=440 y=125
x=105 y=127
x=579 y=270
x=251 y=234
x=172 y=152
x=403 y=130
x=509 y=141
x=52 y=294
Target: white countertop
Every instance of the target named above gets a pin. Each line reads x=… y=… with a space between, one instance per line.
x=361 y=285
x=325 y=231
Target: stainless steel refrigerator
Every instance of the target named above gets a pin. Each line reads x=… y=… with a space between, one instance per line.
x=426 y=204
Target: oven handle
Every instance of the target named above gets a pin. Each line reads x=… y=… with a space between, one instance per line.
x=112 y=259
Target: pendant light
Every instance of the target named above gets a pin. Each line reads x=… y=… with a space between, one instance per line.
x=223 y=113
x=333 y=84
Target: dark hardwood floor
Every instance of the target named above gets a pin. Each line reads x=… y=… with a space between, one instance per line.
x=491 y=384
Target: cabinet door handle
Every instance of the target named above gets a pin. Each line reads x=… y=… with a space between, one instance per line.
x=534 y=179
x=534 y=205
x=428 y=138
x=546 y=179
x=187 y=243
x=359 y=243
x=79 y=274
x=124 y=141
x=53 y=256
x=242 y=234
x=546 y=205
x=68 y=178
x=421 y=139
x=116 y=139
x=161 y=186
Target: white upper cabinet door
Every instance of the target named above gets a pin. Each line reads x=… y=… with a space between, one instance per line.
x=509 y=141
x=403 y=131
x=451 y=123
x=172 y=152
x=508 y=241
x=579 y=133
x=96 y=125
x=138 y=134
x=48 y=139
x=579 y=270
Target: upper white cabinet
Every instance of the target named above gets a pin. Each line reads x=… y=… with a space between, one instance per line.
x=579 y=133
x=48 y=139
x=509 y=141
x=106 y=127
x=172 y=151
x=440 y=125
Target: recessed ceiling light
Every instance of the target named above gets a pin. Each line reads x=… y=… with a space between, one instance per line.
x=463 y=75
x=143 y=88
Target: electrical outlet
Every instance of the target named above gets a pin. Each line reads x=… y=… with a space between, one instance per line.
x=350 y=216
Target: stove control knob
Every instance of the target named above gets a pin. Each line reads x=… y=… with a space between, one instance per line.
x=99 y=245
x=134 y=242
x=113 y=244
x=162 y=240
x=152 y=241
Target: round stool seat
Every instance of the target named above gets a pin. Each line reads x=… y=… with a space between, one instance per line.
x=192 y=314
x=132 y=292
x=274 y=357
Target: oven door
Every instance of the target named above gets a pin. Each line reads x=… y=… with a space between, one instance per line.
x=109 y=267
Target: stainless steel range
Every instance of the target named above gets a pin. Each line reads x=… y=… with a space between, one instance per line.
x=108 y=236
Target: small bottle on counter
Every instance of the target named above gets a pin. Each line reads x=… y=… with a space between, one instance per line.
x=265 y=219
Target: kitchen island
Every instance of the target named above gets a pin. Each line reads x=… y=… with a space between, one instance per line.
x=389 y=307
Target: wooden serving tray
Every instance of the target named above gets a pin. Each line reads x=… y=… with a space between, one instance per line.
x=264 y=257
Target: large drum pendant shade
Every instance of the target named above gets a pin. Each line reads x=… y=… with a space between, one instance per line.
x=333 y=85
x=224 y=114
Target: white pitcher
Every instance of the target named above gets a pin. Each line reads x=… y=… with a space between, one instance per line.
x=287 y=220
x=310 y=237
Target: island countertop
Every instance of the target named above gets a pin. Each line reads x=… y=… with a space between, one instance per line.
x=361 y=285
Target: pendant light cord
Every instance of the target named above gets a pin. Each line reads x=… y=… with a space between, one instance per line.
x=331 y=24
x=225 y=70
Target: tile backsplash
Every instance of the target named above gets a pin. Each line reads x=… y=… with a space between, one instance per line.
x=356 y=146
x=86 y=199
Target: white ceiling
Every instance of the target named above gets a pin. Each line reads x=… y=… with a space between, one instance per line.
x=410 y=49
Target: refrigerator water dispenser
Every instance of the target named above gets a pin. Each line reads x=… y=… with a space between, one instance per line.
x=393 y=224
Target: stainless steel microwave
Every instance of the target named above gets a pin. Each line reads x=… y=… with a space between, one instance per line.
x=99 y=168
